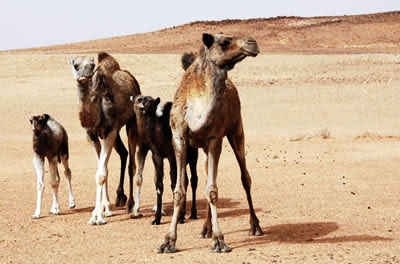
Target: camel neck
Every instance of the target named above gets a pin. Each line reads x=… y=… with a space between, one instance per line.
x=83 y=91
x=215 y=78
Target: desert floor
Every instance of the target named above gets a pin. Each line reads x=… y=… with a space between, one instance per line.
x=323 y=150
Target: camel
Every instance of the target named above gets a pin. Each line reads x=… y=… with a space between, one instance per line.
x=50 y=140
x=154 y=133
x=206 y=108
x=104 y=108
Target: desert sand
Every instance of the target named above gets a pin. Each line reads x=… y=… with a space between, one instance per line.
x=323 y=151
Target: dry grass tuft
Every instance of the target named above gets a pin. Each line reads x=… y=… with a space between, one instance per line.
x=375 y=136
x=323 y=134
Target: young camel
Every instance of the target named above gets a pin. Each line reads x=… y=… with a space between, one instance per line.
x=50 y=140
x=206 y=108
x=104 y=108
x=154 y=133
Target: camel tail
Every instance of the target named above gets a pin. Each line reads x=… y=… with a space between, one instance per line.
x=187 y=60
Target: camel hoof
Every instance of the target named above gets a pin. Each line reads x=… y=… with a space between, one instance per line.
x=167 y=247
x=108 y=214
x=193 y=216
x=130 y=205
x=219 y=246
x=97 y=221
x=54 y=211
x=154 y=209
x=120 y=201
x=256 y=231
x=72 y=206
x=156 y=222
x=136 y=215
x=35 y=216
x=206 y=233
x=182 y=220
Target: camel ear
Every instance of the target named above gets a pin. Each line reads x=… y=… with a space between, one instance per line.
x=208 y=39
x=45 y=118
x=31 y=119
x=70 y=60
x=158 y=100
x=92 y=60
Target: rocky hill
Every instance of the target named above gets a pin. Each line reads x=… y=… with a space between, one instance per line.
x=340 y=34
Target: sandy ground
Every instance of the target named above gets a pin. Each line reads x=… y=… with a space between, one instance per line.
x=323 y=150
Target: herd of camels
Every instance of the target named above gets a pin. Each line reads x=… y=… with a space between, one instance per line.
x=205 y=109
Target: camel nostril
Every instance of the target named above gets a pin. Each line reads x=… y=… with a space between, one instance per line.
x=251 y=40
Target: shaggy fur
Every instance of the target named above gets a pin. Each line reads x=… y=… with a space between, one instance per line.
x=50 y=140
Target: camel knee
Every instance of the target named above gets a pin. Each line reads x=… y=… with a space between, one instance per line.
x=138 y=180
x=67 y=173
x=246 y=179
x=212 y=194
x=55 y=183
x=178 y=198
x=101 y=176
x=40 y=186
x=132 y=168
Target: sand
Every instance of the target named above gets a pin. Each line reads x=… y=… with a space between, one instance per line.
x=323 y=151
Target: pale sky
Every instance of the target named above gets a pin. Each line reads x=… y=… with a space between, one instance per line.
x=36 y=23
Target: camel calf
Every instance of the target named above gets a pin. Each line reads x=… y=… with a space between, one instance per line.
x=50 y=140
x=154 y=132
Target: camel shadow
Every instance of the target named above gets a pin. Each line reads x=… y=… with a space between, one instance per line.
x=305 y=233
x=223 y=203
x=79 y=210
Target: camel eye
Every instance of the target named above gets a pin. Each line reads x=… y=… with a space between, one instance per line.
x=225 y=42
x=76 y=67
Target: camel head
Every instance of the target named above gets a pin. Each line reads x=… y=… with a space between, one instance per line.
x=38 y=121
x=145 y=104
x=225 y=51
x=82 y=68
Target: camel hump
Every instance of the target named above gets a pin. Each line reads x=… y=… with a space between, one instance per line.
x=187 y=60
x=107 y=62
x=166 y=111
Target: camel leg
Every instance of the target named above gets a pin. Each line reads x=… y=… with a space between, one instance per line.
x=138 y=180
x=55 y=182
x=206 y=231
x=214 y=152
x=105 y=200
x=101 y=178
x=38 y=164
x=172 y=174
x=67 y=173
x=180 y=145
x=158 y=180
x=236 y=140
x=192 y=159
x=132 y=142
x=95 y=142
x=182 y=213
x=123 y=154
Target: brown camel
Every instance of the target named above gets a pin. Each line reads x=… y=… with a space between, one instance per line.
x=105 y=108
x=206 y=108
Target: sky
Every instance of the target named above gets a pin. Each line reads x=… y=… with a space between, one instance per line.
x=36 y=23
